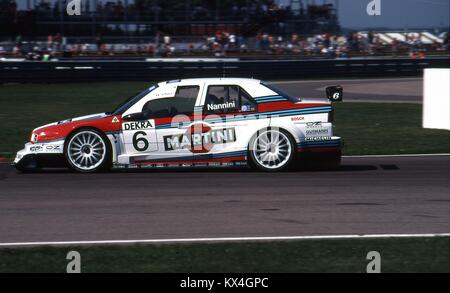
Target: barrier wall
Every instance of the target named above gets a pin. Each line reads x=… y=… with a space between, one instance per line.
x=436 y=98
x=159 y=70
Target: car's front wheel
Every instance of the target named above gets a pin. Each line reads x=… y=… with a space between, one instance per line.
x=271 y=150
x=88 y=151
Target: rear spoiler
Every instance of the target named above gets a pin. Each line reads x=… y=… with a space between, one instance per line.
x=335 y=93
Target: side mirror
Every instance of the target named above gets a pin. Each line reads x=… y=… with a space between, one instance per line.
x=134 y=117
x=335 y=93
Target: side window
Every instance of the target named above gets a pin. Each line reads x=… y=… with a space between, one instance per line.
x=222 y=99
x=182 y=103
x=185 y=99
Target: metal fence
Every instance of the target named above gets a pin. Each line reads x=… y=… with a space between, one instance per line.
x=166 y=69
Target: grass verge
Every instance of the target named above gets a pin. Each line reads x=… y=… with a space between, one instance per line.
x=373 y=128
x=366 y=128
x=346 y=255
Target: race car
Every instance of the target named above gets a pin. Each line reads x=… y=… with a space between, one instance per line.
x=192 y=122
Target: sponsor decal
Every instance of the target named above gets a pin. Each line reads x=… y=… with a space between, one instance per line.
x=226 y=105
x=201 y=164
x=138 y=125
x=168 y=94
x=199 y=138
x=315 y=128
x=165 y=92
x=318 y=138
x=46 y=148
x=36 y=149
x=176 y=165
x=297 y=118
x=53 y=148
x=314 y=124
x=115 y=120
x=64 y=121
x=317 y=131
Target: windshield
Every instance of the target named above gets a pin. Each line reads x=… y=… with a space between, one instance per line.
x=131 y=101
x=280 y=92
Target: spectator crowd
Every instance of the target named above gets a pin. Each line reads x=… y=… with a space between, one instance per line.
x=222 y=44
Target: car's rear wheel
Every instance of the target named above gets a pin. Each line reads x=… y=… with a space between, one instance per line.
x=272 y=150
x=88 y=151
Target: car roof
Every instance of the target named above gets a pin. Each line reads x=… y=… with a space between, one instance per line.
x=212 y=79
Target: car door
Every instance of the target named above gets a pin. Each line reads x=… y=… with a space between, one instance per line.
x=232 y=114
x=171 y=116
x=139 y=137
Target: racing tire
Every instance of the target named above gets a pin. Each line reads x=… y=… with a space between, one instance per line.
x=271 y=150
x=88 y=151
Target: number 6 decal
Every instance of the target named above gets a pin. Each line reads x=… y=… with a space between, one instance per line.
x=139 y=141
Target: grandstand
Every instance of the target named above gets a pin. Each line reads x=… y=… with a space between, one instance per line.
x=233 y=28
x=143 y=18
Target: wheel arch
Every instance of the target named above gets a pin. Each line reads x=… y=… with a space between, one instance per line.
x=85 y=127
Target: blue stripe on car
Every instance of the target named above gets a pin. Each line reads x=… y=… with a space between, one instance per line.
x=279 y=113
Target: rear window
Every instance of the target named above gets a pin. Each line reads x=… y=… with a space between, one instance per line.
x=280 y=92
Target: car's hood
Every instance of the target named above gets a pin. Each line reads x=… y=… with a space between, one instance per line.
x=81 y=118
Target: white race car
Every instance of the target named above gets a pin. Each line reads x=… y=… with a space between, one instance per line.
x=192 y=122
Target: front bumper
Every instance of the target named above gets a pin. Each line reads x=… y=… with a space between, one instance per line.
x=36 y=155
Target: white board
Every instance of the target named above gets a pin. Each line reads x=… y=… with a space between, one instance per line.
x=436 y=98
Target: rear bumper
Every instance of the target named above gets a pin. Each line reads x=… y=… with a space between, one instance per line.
x=334 y=145
x=324 y=155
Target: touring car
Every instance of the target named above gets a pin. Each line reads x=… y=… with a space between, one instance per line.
x=192 y=122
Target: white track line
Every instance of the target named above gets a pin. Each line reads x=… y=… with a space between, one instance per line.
x=224 y=239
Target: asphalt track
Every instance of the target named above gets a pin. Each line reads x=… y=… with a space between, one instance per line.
x=368 y=195
x=392 y=90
